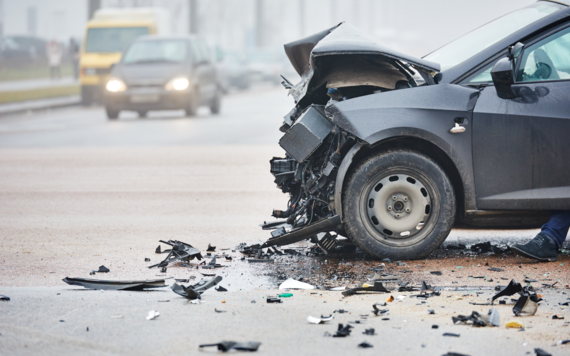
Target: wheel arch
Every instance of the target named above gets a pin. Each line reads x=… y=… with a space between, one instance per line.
x=421 y=142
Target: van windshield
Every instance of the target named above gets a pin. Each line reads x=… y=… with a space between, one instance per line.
x=477 y=40
x=112 y=39
x=156 y=51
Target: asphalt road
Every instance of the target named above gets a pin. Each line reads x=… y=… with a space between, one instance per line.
x=78 y=191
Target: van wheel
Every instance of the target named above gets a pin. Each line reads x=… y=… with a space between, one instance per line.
x=216 y=103
x=398 y=204
x=192 y=104
x=112 y=114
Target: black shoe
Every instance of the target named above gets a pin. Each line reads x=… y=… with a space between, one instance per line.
x=541 y=248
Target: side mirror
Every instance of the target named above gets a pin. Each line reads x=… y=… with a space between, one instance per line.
x=502 y=74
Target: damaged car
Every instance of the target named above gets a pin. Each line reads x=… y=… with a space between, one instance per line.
x=393 y=151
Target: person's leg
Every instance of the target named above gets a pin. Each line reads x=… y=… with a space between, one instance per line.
x=545 y=245
x=557 y=227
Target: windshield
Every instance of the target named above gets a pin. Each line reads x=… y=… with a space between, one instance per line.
x=156 y=51
x=475 y=41
x=112 y=39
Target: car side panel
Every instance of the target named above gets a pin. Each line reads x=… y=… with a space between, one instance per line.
x=426 y=113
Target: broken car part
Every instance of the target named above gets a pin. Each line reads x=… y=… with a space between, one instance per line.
x=4 y=298
x=232 y=345
x=343 y=331
x=180 y=251
x=273 y=300
x=364 y=345
x=321 y=320
x=153 y=314
x=102 y=269
x=195 y=291
x=115 y=285
x=527 y=304
x=377 y=287
x=293 y=284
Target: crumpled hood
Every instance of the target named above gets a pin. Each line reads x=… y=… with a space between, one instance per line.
x=318 y=56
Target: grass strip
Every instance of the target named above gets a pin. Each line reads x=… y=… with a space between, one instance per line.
x=36 y=94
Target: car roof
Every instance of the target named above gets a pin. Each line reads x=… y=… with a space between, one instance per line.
x=562 y=2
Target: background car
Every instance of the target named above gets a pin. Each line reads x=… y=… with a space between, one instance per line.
x=164 y=73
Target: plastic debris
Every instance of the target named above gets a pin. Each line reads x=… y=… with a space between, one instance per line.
x=219 y=311
x=390 y=299
x=153 y=314
x=4 y=298
x=146 y=259
x=401 y=297
x=451 y=334
x=369 y=332
x=454 y=354
x=436 y=273
x=293 y=284
x=556 y=317
x=435 y=326
x=340 y=311
x=527 y=304
x=364 y=345
x=541 y=352
x=211 y=248
x=321 y=320
x=196 y=290
x=431 y=311
x=221 y=289
x=180 y=251
x=212 y=264
x=514 y=324
x=343 y=331
x=479 y=320
x=378 y=311
x=286 y=295
x=115 y=285
x=377 y=287
x=337 y=289
x=563 y=342
x=102 y=269
x=274 y=300
x=232 y=345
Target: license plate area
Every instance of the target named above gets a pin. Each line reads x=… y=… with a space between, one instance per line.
x=145 y=98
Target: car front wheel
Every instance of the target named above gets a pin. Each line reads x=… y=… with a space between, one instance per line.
x=112 y=114
x=398 y=204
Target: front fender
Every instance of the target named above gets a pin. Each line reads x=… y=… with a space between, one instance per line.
x=424 y=113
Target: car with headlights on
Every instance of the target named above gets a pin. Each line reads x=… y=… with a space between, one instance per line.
x=163 y=73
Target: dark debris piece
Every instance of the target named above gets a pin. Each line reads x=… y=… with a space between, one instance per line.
x=212 y=264
x=495 y=269
x=377 y=287
x=364 y=345
x=556 y=317
x=451 y=334
x=196 y=290
x=435 y=326
x=274 y=300
x=369 y=331
x=378 y=311
x=221 y=289
x=4 y=298
x=146 y=259
x=115 y=285
x=211 y=248
x=527 y=301
x=486 y=247
x=219 y=311
x=541 y=352
x=102 y=269
x=454 y=354
x=474 y=318
x=436 y=273
x=232 y=345
x=343 y=331
x=180 y=251
x=340 y=311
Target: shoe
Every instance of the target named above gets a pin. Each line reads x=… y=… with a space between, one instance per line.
x=540 y=248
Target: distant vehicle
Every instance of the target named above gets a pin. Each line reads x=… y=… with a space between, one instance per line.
x=108 y=34
x=21 y=51
x=164 y=73
x=265 y=65
x=36 y=46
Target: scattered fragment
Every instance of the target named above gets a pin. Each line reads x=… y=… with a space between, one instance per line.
x=221 y=289
x=219 y=311
x=153 y=314
x=212 y=264
x=163 y=270
x=293 y=284
x=4 y=298
x=435 y=326
x=436 y=273
x=377 y=287
x=514 y=324
x=286 y=295
x=274 y=300
x=102 y=269
x=343 y=331
x=451 y=334
x=486 y=247
x=529 y=280
x=340 y=311
x=474 y=318
x=556 y=317
x=158 y=250
x=321 y=320
x=263 y=260
x=390 y=299
x=494 y=317
x=211 y=248
x=115 y=285
x=180 y=251
x=377 y=311
x=401 y=297
x=146 y=259
x=364 y=345
x=195 y=291
x=337 y=289
x=454 y=354
x=563 y=342
x=431 y=311
x=232 y=345
x=369 y=331
x=541 y=352
x=527 y=304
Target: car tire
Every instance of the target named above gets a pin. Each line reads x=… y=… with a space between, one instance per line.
x=398 y=204
x=216 y=103
x=142 y=114
x=112 y=114
x=192 y=104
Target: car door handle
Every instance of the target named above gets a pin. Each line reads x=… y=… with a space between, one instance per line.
x=457 y=129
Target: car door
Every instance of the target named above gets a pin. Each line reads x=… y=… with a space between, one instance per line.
x=521 y=145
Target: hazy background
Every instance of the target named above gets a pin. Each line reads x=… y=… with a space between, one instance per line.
x=413 y=26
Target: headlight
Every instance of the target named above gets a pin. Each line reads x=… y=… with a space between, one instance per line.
x=178 y=84
x=115 y=85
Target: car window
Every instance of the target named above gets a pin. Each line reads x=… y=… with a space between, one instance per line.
x=548 y=59
x=112 y=39
x=156 y=51
x=481 y=76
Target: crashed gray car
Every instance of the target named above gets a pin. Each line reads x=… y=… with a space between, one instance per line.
x=392 y=151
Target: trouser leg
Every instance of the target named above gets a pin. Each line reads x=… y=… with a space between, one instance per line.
x=557 y=227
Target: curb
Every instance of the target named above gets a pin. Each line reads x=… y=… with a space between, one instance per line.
x=19 y=107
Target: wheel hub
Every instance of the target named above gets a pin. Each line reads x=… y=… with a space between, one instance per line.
x=398 y=206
